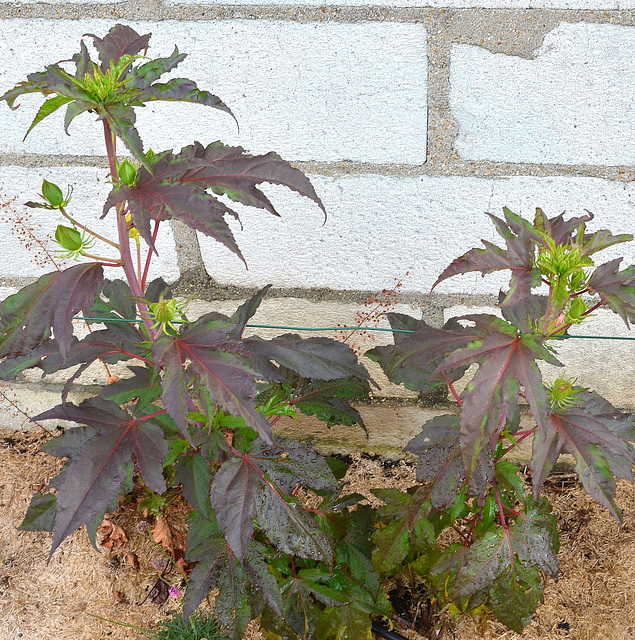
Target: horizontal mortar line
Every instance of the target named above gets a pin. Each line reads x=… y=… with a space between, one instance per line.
x=303 y=14
x=454 y=167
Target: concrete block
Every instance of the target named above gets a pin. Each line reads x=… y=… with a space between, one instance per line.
x=316 y=91
x=380 y=227
x=90 y=189
x=571 y=104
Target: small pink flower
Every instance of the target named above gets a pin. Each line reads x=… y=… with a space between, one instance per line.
x=174 y=592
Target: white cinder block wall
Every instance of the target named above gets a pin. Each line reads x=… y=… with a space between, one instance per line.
x=412 y=118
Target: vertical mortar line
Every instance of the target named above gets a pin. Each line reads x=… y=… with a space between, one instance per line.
x=442 y=129
x=188 y=252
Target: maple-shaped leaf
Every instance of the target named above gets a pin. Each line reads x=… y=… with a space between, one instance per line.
x=440 y=463
x=233 y=172
x=217 y=567
x=593 y=437
x=119 y=41
x=414 y=358
x=258 y=484
x=616 y=288
x=99 y=467
x=153 y=196
x=205 y=349
x=521 y=239
x=507 y=362
x=28 y=316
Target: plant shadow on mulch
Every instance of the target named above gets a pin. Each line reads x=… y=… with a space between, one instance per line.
x=594 y=598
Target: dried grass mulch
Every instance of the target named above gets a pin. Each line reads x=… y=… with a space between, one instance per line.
x=593 y=600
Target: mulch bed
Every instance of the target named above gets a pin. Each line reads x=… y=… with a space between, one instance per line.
x=594 y=598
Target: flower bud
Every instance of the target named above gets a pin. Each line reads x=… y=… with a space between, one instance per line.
x=52 y=194
x=127 y=172
x=69 y=238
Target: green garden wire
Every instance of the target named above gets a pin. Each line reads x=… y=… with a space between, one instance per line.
x=343 y=328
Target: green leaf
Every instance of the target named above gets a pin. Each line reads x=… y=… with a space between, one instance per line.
x=330 y=401
x=48 y=107
x=515 y=596
x=193 y=472
x=40 y=515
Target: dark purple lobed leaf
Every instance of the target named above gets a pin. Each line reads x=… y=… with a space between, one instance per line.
x=600 y=452
x=27 y=317
x=98 y=469
x=413 y=360
x=217 y=360
x=152 y=196
x=440 y=462
x=616 y=288
x=321 y=358
x=254 y=485
x=235 y=173
x=506 y=362
x=521 y=239
x=120 y=40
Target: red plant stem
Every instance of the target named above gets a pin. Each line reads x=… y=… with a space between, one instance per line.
x=152 y=415
x=523 y=435
x=124 y=239
x=501 y=510
x=454 y=392
x=149 y=256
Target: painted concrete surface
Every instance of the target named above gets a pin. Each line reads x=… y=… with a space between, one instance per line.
x=378 y=228
x=327 y=92
x=571 y=104
x=90 y=189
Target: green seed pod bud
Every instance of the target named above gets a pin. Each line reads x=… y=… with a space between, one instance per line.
x=127 y=172
x=69 y=238
x=577 y=308
x=52 y=194
x=165 y=310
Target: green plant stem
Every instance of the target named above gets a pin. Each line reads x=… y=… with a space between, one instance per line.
x=124 y=239
x=146 y=632
x=87 y=230
x=107 y=262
